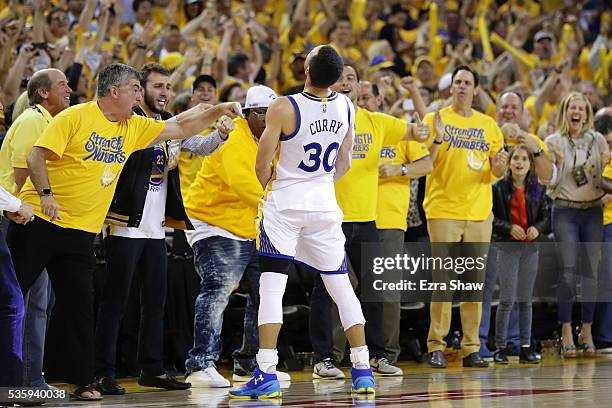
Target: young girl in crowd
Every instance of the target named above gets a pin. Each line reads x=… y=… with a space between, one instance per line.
x=521 y=215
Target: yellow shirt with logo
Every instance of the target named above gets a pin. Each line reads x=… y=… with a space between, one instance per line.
x=18 y=143
x=459 y=187
x=357 y=190
x=90 y=152
x=608 y=207
x=226 y=191
x=394 y=192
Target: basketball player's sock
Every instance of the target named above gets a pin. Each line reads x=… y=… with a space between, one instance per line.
x=267 y=359
x=360 y=357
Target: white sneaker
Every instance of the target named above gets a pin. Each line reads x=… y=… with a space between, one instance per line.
x=208 y=378
x=382 y=366
x=326 y=370
x=280 y=375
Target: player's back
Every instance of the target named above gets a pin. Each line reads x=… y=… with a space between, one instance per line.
x=304 y=173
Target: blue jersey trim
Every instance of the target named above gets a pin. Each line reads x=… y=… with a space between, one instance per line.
x=343 y=268
x=298 y=119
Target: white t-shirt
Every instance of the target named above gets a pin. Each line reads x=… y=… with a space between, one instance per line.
x=204 y=230
x=154 y=211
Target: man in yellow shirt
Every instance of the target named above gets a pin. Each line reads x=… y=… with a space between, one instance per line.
x=468 y=154
x=222 y=206
x=398 y=164
x=74 y=167
x=357 y=195
x=48 y=94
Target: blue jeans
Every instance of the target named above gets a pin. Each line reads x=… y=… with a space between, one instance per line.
x=11 y=321
x=571 y=226
x=516 y=287
x=602 y=330
x=38 y=304
x=221 y=264
x=489 y=288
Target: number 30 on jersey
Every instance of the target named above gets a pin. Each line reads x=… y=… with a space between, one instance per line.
x=315 y=160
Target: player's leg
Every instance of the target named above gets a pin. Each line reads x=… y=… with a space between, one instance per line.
x=276 y=241
x=321 y=249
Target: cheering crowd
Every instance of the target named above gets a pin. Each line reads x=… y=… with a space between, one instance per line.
x=133 y=119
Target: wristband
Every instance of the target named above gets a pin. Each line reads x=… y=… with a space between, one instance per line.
x=438 y=142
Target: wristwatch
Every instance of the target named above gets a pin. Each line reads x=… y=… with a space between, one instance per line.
x=437 y=141
x=538 y=153
x=46 y=192
x=404 y=169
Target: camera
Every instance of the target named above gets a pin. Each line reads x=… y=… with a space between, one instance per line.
x=580 y=176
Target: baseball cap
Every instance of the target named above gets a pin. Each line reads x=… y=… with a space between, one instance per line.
x=259 y=96
x=541 y=35
x=445 y=81
x=204 y=78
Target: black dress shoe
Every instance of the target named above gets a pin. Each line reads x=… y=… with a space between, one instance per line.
x=109 y=386
x=437 y=360
x=528 y=356
x=500 y=357
x=165 y=381
x=474 y=360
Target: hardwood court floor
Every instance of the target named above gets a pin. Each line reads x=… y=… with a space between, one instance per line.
x=581 y=383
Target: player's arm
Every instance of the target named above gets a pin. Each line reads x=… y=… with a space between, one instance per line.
x=343 y=162
x=197 y=119
x=278 y=111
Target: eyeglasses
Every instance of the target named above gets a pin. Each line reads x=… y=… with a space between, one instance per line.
x=261 y=114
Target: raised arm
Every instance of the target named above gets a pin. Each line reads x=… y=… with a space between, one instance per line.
x=195 y=120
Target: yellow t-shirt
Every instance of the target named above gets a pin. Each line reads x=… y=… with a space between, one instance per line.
x=226 y=191
x=357 y=190
x=18 y=143
x=90 y=152
x=459 y=187
x=608 y=207
x=394 y=192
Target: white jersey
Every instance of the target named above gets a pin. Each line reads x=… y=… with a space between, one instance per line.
x=303 y=178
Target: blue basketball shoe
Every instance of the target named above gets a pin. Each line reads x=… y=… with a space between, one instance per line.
x=260 y=386
x=363 y=381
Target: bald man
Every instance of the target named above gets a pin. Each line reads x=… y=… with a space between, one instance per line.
x=48 y=95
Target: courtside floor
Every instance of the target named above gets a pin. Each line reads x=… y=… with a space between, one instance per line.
x=581 y=383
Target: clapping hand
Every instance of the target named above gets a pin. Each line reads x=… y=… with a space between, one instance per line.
x=422 y=129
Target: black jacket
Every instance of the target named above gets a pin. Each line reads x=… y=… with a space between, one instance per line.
x=128 y=202
x=537 y=209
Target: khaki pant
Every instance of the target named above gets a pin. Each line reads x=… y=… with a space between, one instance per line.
x=444 y=230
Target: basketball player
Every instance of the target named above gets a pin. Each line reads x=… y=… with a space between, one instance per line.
x=300 y=219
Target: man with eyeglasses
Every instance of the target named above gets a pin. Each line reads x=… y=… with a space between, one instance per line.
x=222 y=205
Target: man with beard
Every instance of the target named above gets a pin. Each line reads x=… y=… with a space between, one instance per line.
x=147 y=198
